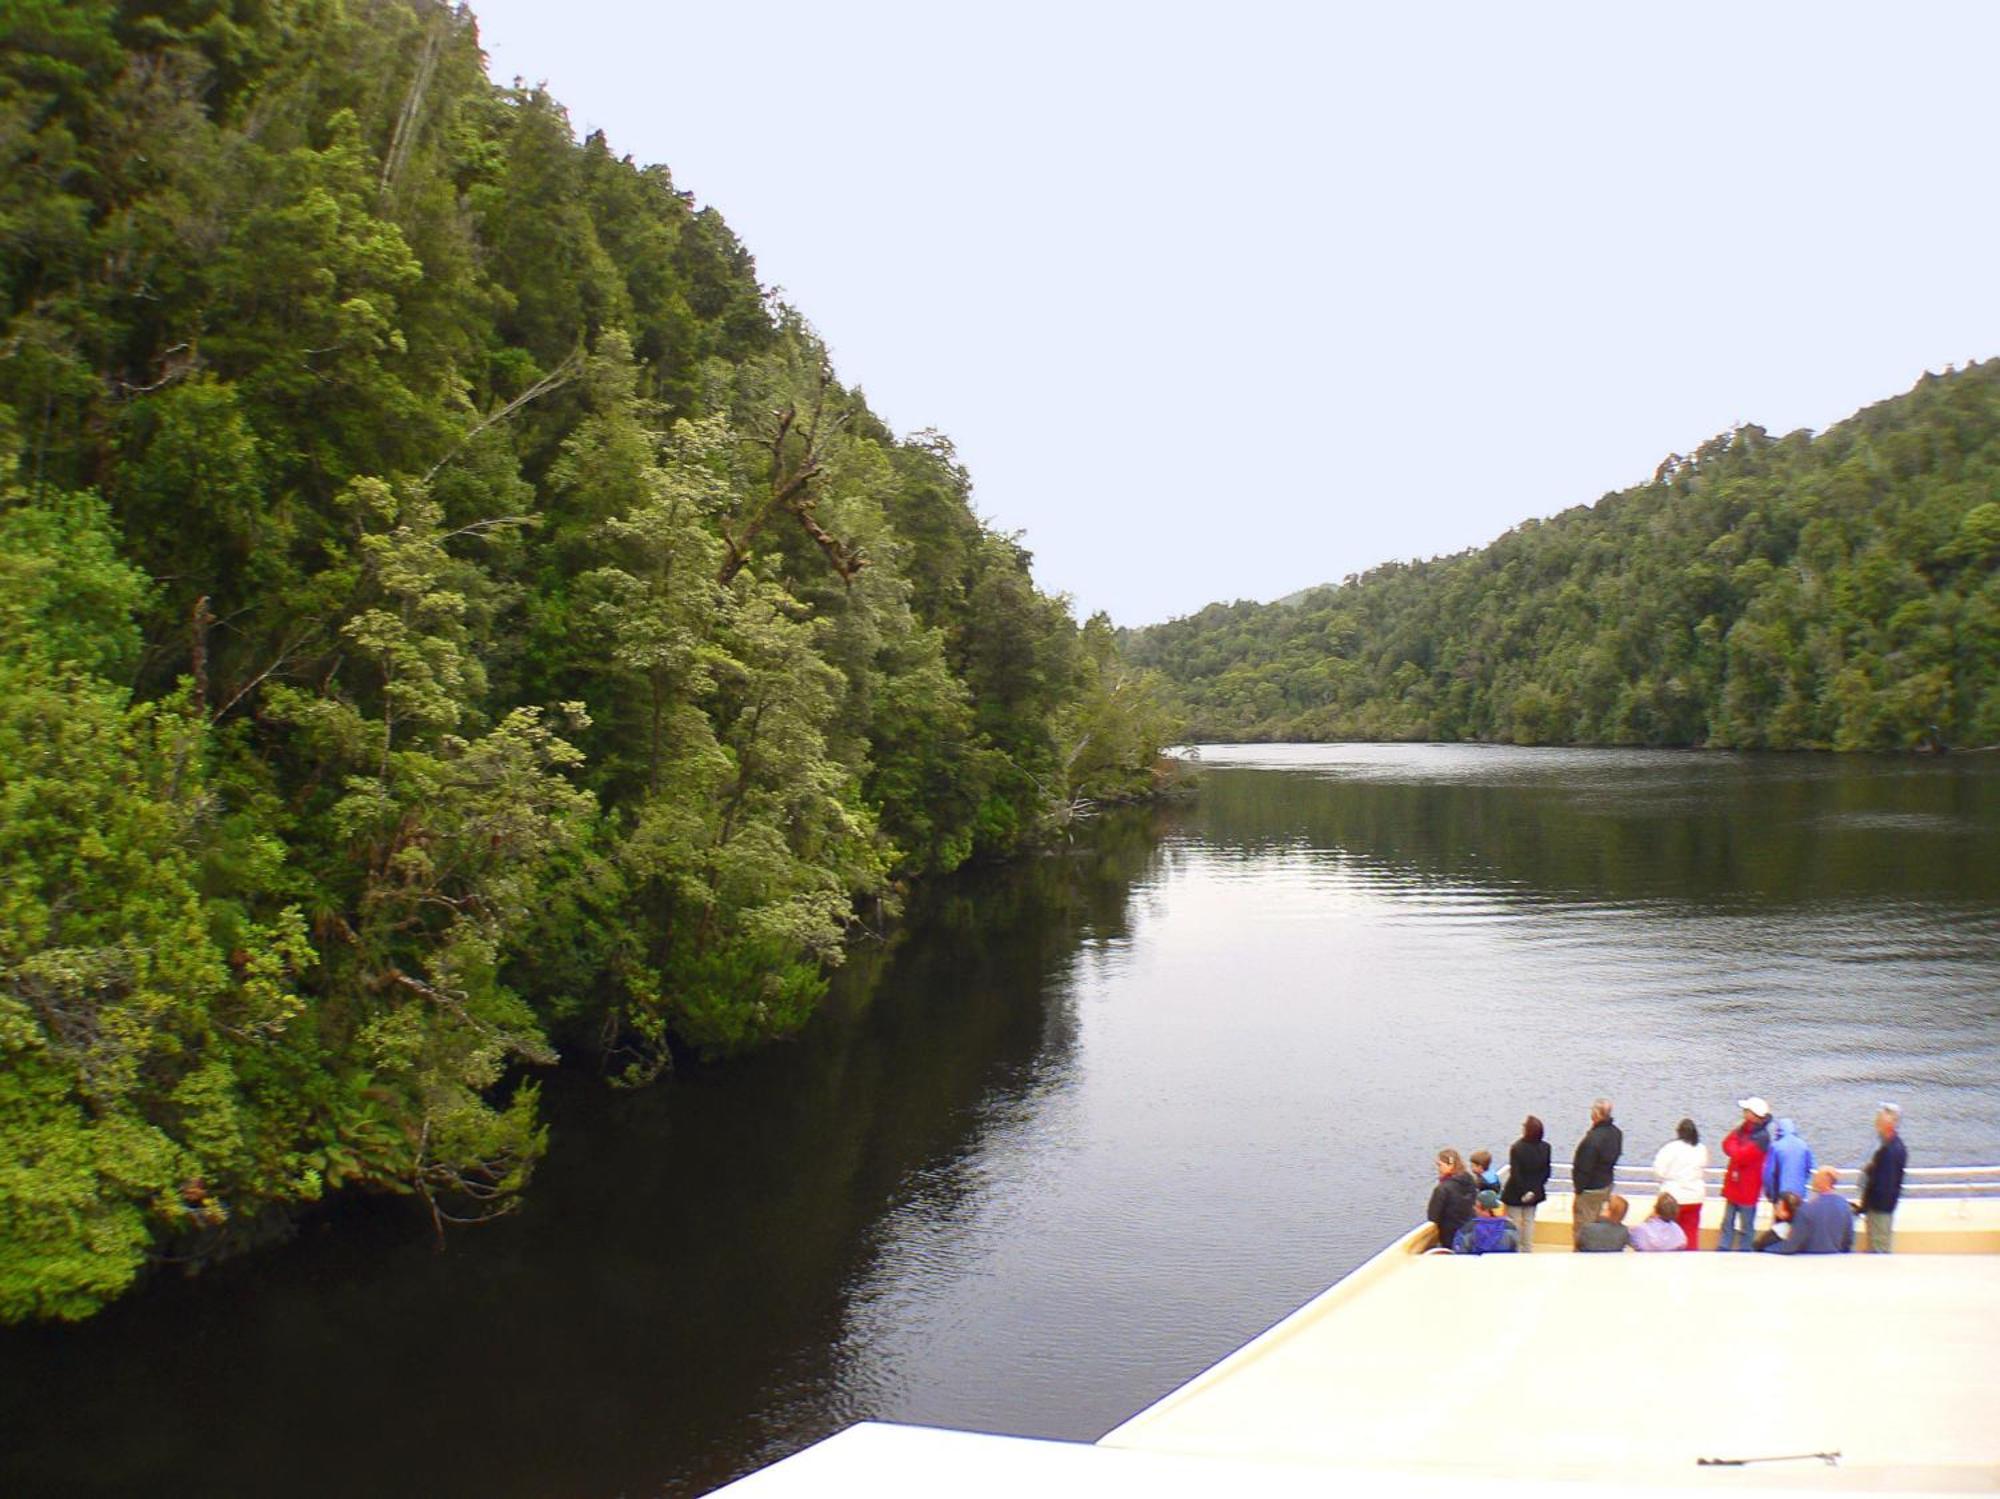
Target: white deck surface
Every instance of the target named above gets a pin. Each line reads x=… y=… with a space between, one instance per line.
x=1620 y=1369
x=875 y=1461
x=1422 y=1377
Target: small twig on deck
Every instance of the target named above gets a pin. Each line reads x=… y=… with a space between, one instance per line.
x=1831 y=1459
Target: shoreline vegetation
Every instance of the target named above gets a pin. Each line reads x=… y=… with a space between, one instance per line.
x=451 y=616
x=454 y=618
x=1837 y=592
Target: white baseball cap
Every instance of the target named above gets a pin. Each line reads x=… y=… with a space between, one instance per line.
x=1755 y=1105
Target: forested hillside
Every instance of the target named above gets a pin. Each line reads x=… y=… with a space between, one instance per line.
x=448 y=613
x=1837 y=591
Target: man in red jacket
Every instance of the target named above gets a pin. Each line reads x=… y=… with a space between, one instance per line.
x=1743 y=1183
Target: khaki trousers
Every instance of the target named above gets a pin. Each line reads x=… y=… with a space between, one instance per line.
x=1881 y=1232
x=1588 y=1209
x=1523 y=1219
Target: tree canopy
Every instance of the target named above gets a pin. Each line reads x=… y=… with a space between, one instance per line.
x=449 y=613
x=1839 y=591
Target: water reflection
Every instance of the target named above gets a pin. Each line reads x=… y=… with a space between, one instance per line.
x=1089 y=1123
x=1624 y=826
x=672 y=1306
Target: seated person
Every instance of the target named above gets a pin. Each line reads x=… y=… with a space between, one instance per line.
x=1491 y=1232
x=1786 y=1210
x=1825 y=1225
x=1608 y=1235
x=1654 y=1235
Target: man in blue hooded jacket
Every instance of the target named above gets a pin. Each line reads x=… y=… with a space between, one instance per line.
x=1790 y=1164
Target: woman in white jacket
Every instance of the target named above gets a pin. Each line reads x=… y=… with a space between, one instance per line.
x=1681 y=1167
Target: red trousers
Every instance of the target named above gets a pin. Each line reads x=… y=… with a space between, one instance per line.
x=1691 y=1224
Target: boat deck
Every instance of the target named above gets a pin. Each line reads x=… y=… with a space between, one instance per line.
x=1621 y=1368
x=1423 y=1376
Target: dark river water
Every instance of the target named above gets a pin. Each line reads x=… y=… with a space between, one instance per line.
x=1089 y=1124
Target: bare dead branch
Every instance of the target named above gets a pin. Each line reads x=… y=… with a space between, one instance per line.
x=405 y=137
x=199 y=619
x=555 y=379
x=287 y=653
x=495 y=523
x=793 y=483
x=172 y=369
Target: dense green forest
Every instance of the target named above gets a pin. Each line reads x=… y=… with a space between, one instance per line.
x=1837 y=591
x=449 y=613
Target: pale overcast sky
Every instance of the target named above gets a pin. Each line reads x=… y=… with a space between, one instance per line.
x=1221 y=301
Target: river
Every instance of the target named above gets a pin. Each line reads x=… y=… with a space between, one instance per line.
x=1089 y=1123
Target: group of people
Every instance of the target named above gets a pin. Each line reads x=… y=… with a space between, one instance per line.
x=1477 y=1211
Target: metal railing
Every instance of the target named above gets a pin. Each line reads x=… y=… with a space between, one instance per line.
x=1634 y=1180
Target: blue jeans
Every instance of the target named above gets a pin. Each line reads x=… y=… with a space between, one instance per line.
x=1735 y=1215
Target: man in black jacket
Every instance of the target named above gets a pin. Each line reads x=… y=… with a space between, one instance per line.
x=1882 y=1180
x=1595 y=1166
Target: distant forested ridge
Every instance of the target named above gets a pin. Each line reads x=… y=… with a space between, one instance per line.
x=447 y=611
x=1835 y=591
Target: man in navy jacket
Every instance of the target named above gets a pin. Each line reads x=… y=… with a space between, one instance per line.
x=1823 y=1226
x=1882 y=1180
